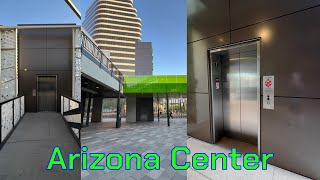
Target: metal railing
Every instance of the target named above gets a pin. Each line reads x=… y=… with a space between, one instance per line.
x=71 y=112
x=96 y=52
x=11 y=112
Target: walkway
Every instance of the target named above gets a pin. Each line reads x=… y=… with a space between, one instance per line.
x=224 y=146
x=27 y=152
x=139 y=138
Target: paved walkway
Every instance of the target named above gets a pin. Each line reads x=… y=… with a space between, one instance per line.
x=27 y=152
x=224 y=146
x=138 y=138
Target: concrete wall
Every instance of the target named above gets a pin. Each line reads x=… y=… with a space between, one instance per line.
x=144 y=58
x=290 y=44
x=44 y=52
x=131 y=115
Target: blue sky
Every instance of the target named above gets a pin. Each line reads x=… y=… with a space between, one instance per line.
x=164 y=23
x=15 y=12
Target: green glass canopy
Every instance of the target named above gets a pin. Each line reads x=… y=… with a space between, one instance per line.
x=155 y=84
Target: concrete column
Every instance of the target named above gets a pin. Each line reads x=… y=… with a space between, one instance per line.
x=97 y=110
x=131 y=109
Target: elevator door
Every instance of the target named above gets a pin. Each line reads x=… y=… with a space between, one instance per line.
x=47 y=93
x=236 y=103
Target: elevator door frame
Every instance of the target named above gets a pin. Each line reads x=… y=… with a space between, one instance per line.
x=212 y=83
x=46 y=75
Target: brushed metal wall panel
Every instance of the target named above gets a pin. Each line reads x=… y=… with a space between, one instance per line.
x=64 y=80
x=198 y=62
x=247 y=12
x=198 y=116
x=59 y=38
x=289 y=51
x=59 y=59
x=30 y=102
x=207 y=18
x=32 y=38
x=32 y=59
x=291 y=131
x=27 y=81
x=38 y=59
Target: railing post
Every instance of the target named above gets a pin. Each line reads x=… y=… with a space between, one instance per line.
x=88 y=110
x=118 y=120
x=12 y=114
x=168 y=117
x=158 y=107
x=62 y=110
x=83 y=105
x=20 y=107
x=180 y=101
x=0 y=124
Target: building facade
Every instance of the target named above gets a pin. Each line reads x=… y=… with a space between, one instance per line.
x=286 y=37
x=115 y=27
x=144 y=58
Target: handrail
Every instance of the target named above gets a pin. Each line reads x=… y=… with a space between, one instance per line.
x=12 y=99
x=96 y=52
x=15 y=117
x=72 y=124
x=71 y=98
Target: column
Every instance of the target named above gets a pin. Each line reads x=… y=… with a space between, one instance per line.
x=97 y=110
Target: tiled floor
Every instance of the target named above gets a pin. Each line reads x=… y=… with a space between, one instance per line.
x=273 y=173
x=157 y=137
x=138 y=138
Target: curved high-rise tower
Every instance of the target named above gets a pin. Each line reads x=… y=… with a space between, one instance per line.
x=115 y=27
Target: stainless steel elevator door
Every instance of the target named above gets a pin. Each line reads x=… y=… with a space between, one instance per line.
x=47 y=93
x=249 y=80
x=240 y=77
x=231 y=93
x=239 y=93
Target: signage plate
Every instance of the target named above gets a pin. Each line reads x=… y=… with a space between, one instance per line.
x=268 y=92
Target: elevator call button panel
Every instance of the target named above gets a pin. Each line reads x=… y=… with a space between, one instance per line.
x=268 y=92
x=217 y=84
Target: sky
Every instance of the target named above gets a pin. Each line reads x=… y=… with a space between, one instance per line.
x=15 y=12
x=163 y=23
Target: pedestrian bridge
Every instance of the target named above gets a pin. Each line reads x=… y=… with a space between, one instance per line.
x=97 y=67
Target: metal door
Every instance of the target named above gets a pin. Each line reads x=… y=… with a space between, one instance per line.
x=47 y=93
x=235 y=91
